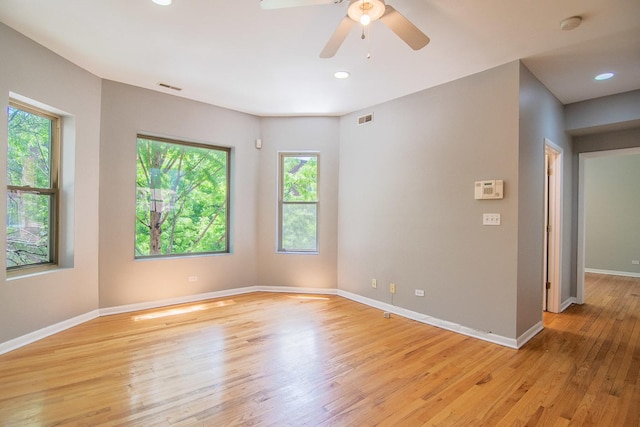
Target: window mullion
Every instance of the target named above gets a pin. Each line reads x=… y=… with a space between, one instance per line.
x=33 y=190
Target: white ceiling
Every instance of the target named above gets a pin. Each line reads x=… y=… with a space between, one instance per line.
x=233 y=54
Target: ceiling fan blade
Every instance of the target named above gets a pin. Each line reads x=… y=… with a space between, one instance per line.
x=337 y=38
x=280 y=4
x=404 y=29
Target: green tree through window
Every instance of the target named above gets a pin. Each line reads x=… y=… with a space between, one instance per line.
x=182 y=198
x=298 y=203
x=32 y=186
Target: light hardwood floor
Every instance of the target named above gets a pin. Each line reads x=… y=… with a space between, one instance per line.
x=294 y=360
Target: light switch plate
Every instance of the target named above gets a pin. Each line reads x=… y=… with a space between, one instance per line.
x=491 y=219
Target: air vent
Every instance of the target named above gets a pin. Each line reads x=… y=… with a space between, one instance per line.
x=363 y=120
x=169 y=86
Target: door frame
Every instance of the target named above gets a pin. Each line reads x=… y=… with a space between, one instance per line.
x=553 y=267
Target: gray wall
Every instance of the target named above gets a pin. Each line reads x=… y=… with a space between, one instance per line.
x=406 y=205
x=601 y=125
x=99 y=190
x=397 y=206
x=541 y=116
x=35 y=301
x=605 y=114
x=591 y=122
x=612 y=211
x=627 y=138
x=299 y=134
x=128 y=110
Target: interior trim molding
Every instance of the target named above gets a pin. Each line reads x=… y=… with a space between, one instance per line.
x=444 y=324
x=567 y=303
x=211 y=295
x=532 y=332
x=127 y=308
x=320 y=291
x=34 y=336
x=409 y=314
x=612 y=272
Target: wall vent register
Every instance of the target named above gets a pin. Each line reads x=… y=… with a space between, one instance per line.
x=367 y=118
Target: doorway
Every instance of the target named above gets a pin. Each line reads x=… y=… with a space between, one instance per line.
x=552 y=257
x=583 y=161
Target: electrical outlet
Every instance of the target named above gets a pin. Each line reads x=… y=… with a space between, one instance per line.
x=374 y=283
x=192 y=278
x=419 y=292
x=635 y=262
x=392 y=288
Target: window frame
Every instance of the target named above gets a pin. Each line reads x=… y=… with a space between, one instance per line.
x=53 y=191
x=281 y=203
x=227 y=151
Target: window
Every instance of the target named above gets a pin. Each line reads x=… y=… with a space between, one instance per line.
x=32 y=186
x=182 y=198
x=298 y=203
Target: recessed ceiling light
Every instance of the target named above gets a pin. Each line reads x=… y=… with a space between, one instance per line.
x=603 y=76
x=341 y=74
x=162 y=2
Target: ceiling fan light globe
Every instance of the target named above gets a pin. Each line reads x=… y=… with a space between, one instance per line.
x=373 y=9
x=365 y=19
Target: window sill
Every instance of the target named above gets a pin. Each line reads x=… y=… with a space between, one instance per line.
x=179 y=256
x=27 y=272
x=298 y=252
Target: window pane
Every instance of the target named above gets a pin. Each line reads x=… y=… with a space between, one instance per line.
x=300 y=183
x=31 y=203
x=181 y=201
x=299 y=227
x=28 y=228
x=29 y=149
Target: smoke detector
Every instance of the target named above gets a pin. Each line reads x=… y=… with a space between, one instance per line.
x=570 y=23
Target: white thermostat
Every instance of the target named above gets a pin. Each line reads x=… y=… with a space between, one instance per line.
x=492 y=189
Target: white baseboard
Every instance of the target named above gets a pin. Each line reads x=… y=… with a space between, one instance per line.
x=444 y=324
x=173 y=301
x=211 y=295
x=567 y=303
x=532 y=332
x=612 y=272
x=319 y=291
x=429 y=320
x=34 y=336
x=31 y=337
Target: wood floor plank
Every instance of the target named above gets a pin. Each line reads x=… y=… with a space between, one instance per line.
x=266 y=359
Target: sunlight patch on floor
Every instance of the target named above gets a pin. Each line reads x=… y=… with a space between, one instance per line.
x=181 y=310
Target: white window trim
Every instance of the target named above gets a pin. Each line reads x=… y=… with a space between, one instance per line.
x=281 y=155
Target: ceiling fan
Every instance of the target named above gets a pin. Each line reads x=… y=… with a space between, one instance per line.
x=363 y=12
